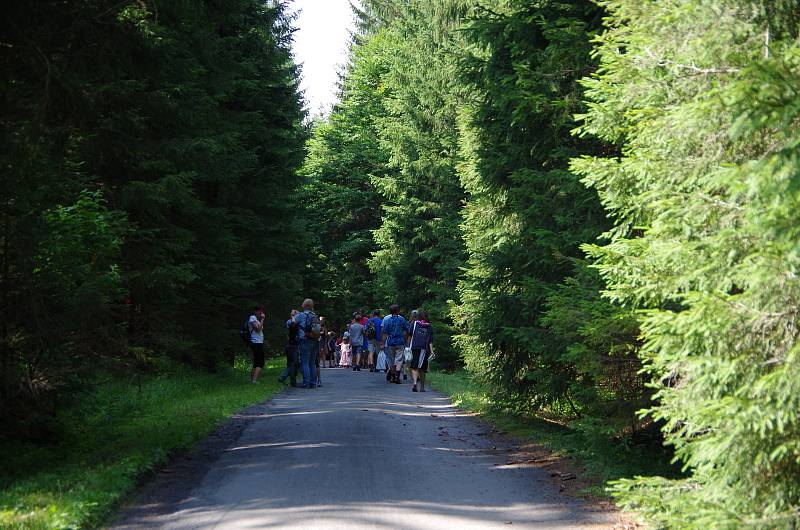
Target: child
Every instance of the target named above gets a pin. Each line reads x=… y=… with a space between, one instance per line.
x=346 y=350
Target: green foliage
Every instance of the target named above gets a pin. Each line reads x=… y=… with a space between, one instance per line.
x=470 y=117
x=112 y=436
x=342 y=207
x=382 y=188
x=419 y=245
x=600 y=342
x=151 y=151
x=703 y=98
x=526 y=215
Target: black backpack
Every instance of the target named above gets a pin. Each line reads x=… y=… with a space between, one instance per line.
x=370 y=331
x=244 y=332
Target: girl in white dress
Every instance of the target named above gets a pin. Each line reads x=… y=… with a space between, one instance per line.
x=346 y=350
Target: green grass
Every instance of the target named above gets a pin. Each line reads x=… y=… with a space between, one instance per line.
x=113 y=436
x=603 y=459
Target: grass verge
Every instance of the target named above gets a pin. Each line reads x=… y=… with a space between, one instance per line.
x=111 y=438
x=602 y=459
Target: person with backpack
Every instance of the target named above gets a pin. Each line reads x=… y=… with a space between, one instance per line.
x=373 y=335
x=394 y=332
x=309 y=332
x=291 y=350
x=421 y=344
x=356 y=331
x=255 y=325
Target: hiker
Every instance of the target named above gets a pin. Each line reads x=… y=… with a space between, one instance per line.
x=421 y=344
x=308 y=331
x=346 y=351
x=291 y=350
x=322 y=348
x=323 y=343
x=363 y=320
x=334 y=354
x=356 y=331
x=256 y=326
x=373 y=335
x=394 y=332
x=412 y=317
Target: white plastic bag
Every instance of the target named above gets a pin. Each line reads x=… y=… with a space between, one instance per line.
x=381 y=362
x=407 y=355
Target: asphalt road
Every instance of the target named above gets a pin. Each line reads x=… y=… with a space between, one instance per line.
x=359 y=453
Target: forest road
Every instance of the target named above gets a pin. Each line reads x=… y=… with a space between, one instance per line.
x=361 y=453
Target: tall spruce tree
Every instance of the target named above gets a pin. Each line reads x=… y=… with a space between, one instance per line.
x=703 y=98
x=419 y=245
x=342 y=205
x=526 y=215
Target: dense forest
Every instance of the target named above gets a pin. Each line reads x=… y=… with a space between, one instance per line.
x=595 y=200
x=151 y=154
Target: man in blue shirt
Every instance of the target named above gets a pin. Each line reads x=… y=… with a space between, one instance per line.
x=373 y=334
x=394 y=332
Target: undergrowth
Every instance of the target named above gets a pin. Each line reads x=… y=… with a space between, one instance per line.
x=114 y=435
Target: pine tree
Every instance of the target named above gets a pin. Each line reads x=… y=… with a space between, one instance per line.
x=420 y=248
x=526 y=215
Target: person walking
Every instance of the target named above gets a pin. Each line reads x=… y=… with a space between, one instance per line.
x=256 y=325
x=373 y=334
x=356 y=330
x=394 y=332
x=421 y=350
x=412 y=317
x=291 y=350
x=322 y=346
x=309 y=333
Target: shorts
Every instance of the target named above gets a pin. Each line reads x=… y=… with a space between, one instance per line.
x=396 y=354
x=258 y=354
x=357 y=351
x=372 y=346
x=420 y=359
